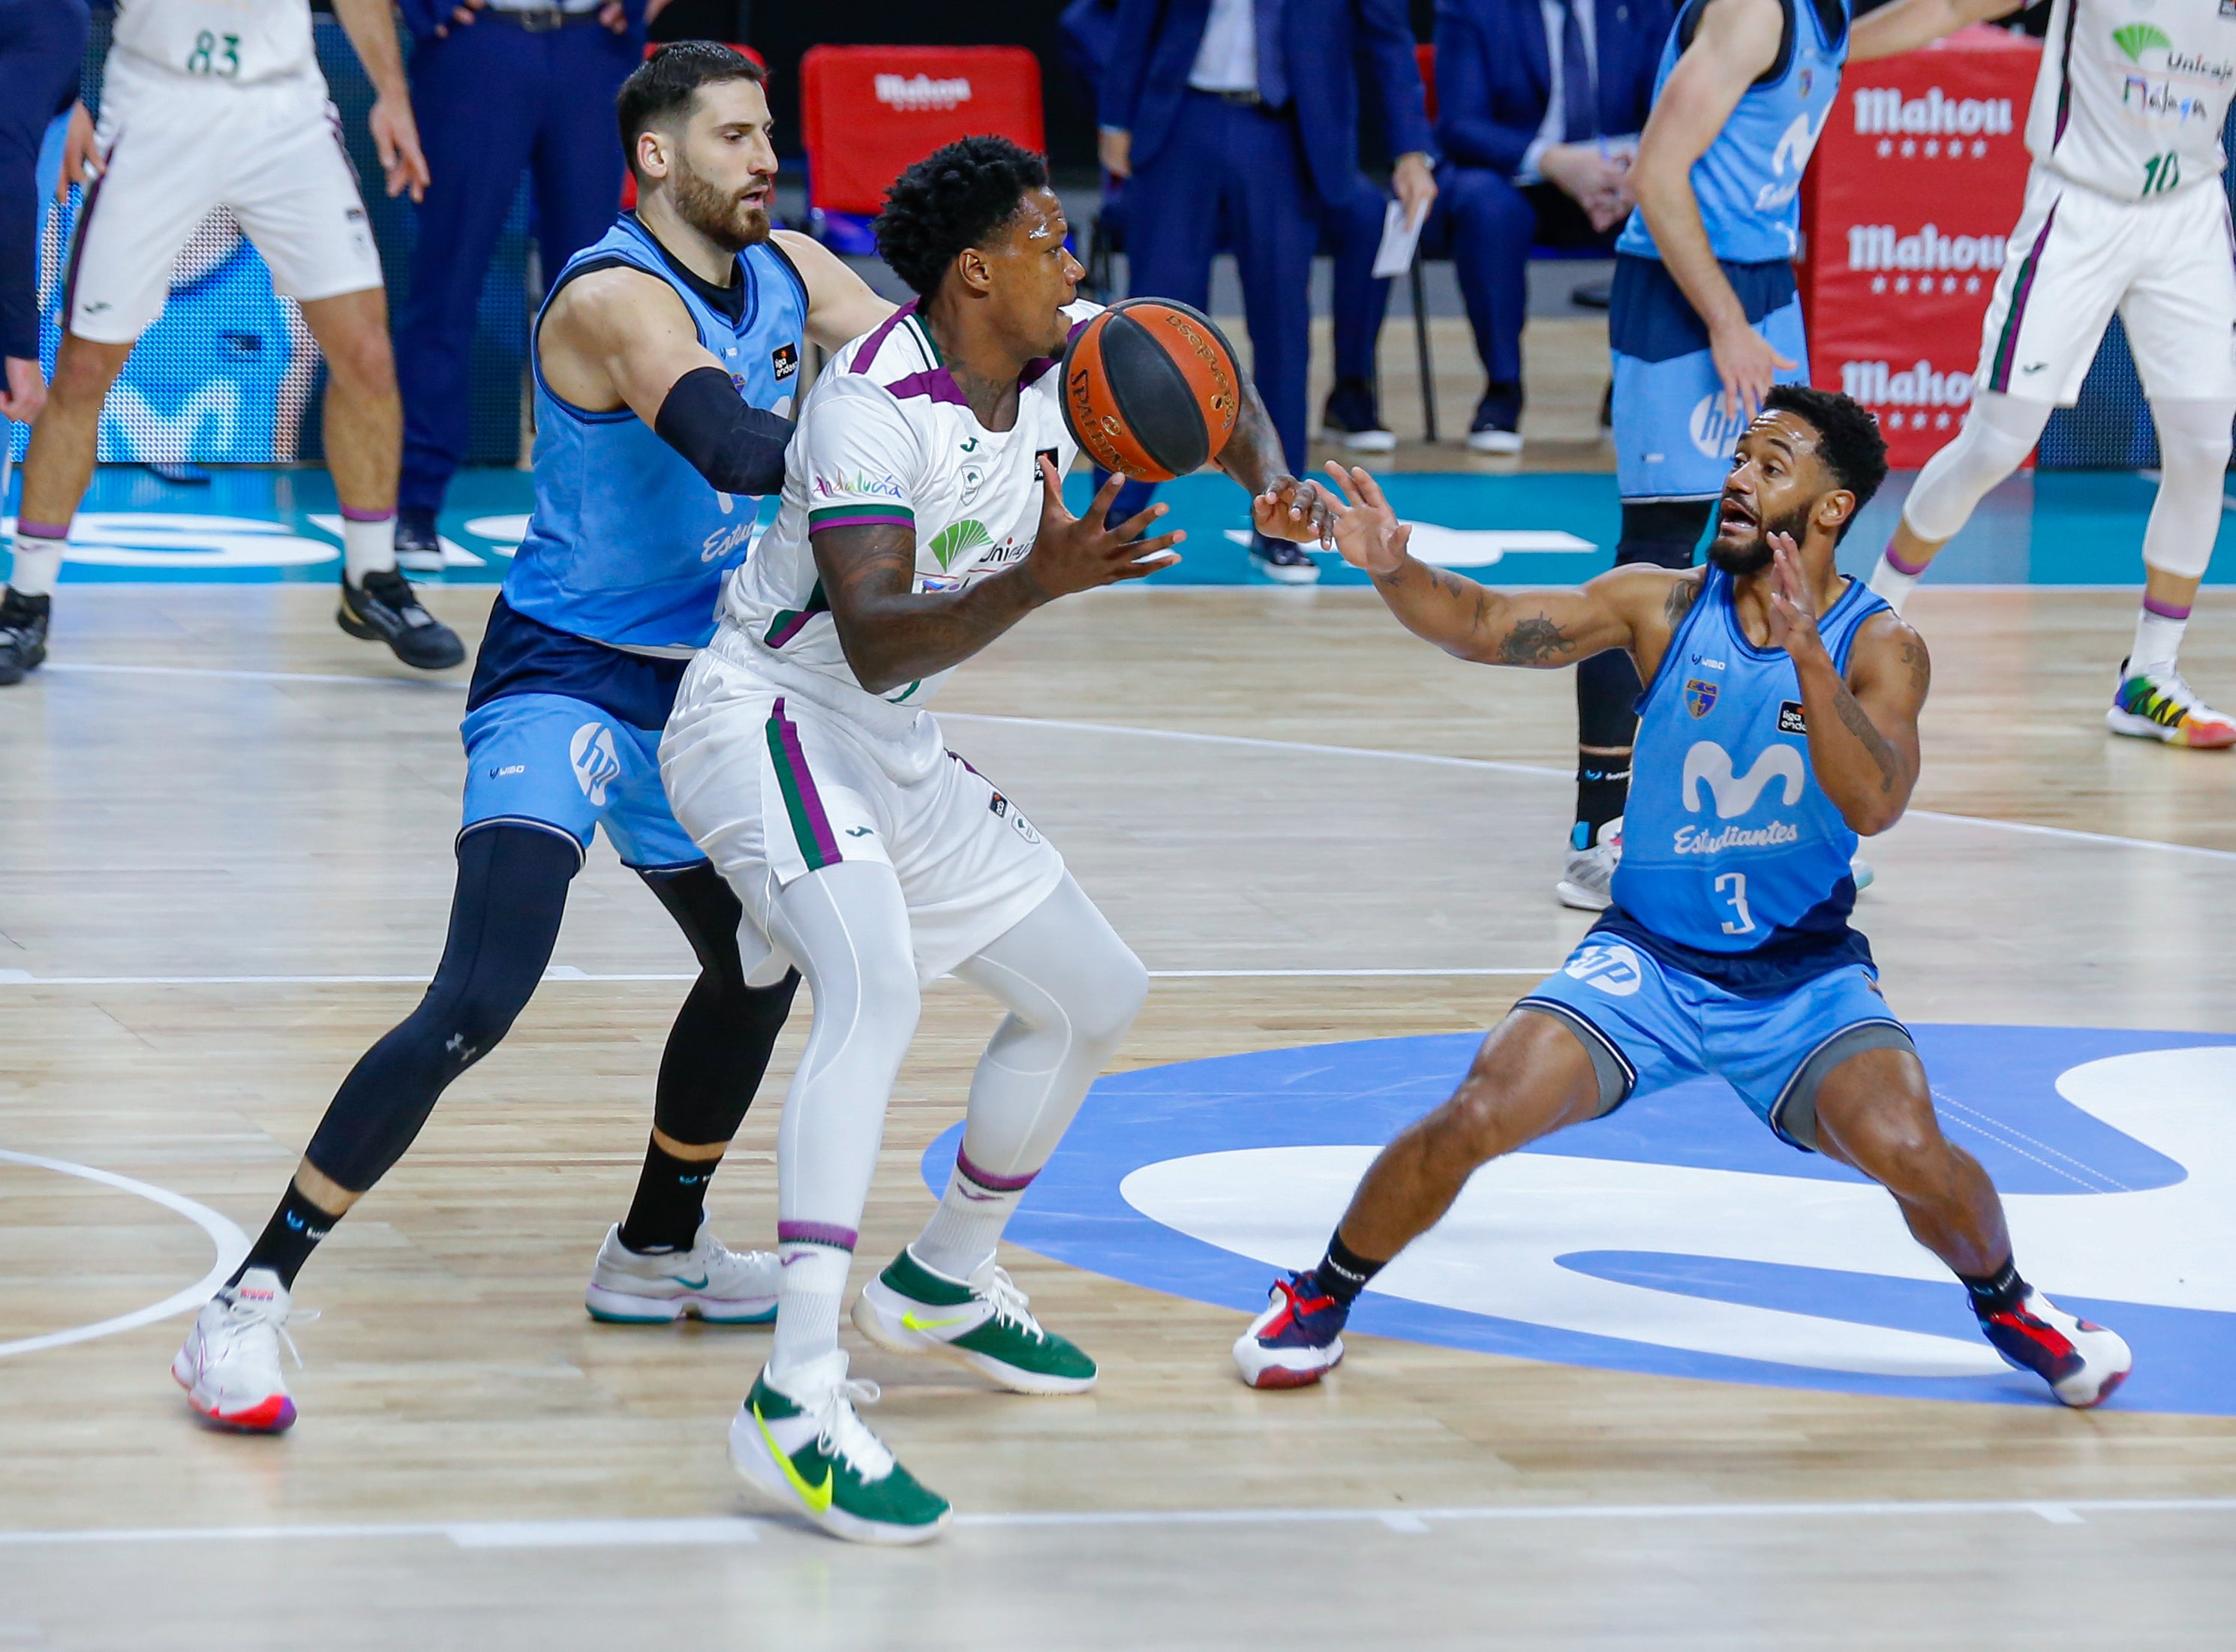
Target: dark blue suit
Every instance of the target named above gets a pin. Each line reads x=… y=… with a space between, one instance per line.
x=42 y=48
x=492 y=99
x=1209 y=172
x=1494 y=78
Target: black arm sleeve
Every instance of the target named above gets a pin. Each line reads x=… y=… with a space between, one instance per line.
x=737 y=448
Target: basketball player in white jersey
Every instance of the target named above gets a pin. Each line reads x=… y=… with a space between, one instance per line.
x=210 y=103
x=923 y=516
x=2124 y=212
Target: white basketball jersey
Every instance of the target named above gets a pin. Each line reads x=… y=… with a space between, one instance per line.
x=2132 y=92
x=886 y=437
x=219 y=43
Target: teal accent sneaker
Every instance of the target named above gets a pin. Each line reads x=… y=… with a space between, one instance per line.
x=710 y=1281
x=810 y=1450
x=983 y=1322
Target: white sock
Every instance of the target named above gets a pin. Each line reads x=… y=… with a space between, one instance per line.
x=38 y=563
x=2158 y=640
x=1891 y=584
x=807 y=1305
x=962 y=1233
x=368 y=545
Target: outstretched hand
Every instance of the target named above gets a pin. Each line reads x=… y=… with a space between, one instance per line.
x=1367 y=534
x=1079 y=553
x=1294 y=510
x=1793 y=608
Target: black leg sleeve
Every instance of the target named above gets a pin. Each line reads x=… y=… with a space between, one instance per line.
x=504 y=919
x=719 y=1045
x=1664 y=533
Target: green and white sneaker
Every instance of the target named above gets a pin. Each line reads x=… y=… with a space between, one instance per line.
x=809 y=1449
x=983 y=1322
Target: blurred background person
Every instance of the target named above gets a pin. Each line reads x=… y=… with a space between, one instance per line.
x=1236 y=125
x=1539 y=105
x=498 y=87
x=41 y=44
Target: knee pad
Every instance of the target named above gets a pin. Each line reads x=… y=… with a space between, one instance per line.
x=2193 y=448
x=1999 y=433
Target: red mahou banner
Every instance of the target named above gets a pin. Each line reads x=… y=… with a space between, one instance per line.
x=1916 y=182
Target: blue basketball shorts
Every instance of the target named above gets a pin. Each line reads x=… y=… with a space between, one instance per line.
x=1673 y=438
x=547 y=760
x=1648 y=1025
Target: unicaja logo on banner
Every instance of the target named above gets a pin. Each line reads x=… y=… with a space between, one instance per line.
x=915 y=92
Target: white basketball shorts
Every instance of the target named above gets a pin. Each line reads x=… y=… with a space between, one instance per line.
x=2166 y=267
x=772 y=786
x=173 y=156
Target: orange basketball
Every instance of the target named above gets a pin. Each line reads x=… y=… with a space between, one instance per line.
x=1150 y=389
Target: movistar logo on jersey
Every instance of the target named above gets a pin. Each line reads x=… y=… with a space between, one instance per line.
x=1737 y=794
x=596 y=767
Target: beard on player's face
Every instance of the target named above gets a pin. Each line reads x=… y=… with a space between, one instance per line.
x=733 y=218
x=1743 y=526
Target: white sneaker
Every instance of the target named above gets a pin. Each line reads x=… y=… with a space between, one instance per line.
x=230 y=1366
x=710 y=1281
x=1860 y=870
x=1585 y=884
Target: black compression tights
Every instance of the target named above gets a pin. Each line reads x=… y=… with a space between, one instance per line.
x=1665 y=534
x=504 y=919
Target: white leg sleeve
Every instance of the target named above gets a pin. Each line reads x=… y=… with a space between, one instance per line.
x=2193 y=442
x=1998 y=434
x=846 y=928
x=1073 y=988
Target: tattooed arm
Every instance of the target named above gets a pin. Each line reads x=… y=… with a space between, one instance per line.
x=1862 y=727
x=1632 y=607
x=895 y=635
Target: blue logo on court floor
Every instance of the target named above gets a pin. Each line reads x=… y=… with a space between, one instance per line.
x=1677 y=1236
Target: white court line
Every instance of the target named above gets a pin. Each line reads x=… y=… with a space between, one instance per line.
x=748 y=1529
x=247 y=677
x=232 y=1244
x=1483 y=763
x=568 y=973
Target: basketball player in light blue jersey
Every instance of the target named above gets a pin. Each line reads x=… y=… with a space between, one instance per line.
x=1705 y=318
x=1780 y=722
x=666 y=359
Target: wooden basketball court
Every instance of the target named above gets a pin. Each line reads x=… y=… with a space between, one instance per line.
x=225 y=868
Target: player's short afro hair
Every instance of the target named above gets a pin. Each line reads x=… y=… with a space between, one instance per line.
x=956 y=197
x=1848 y=439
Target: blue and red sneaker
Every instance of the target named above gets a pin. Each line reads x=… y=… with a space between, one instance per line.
x=2082 y=1363
x=1297 y=1341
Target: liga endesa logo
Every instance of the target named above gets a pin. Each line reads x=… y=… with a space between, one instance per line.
x=1917 y=397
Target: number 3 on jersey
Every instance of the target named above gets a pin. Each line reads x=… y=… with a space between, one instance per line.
x=1732 y=886
x=220 y=56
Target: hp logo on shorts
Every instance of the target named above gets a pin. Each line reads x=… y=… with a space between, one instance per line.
x=1614 y=969
x=591 y=751
x=1714 y=431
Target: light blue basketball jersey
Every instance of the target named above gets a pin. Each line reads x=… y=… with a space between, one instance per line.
x=629 y=544
x=1728 y=843
x=1748 y=184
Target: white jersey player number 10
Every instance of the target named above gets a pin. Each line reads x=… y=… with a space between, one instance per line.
x=2132 y=93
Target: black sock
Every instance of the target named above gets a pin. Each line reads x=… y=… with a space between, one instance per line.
x=1999 y=1292
x=288 y=1239
x=1602 y=793
x=1342 y=1272
x=671 y=1196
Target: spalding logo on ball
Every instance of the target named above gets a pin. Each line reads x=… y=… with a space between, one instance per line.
x=1150 y=389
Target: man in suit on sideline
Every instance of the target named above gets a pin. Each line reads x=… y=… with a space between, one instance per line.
x=1242 y=115
x=1539 y=105
x=499 y=86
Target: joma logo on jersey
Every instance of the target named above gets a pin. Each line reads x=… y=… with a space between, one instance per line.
x=596 y=767
x=1700 y=696
x=1736 y=794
